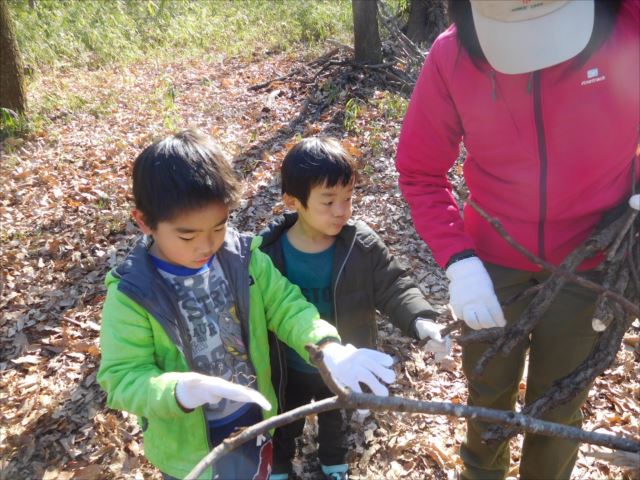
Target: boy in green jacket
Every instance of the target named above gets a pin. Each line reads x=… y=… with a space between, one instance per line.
x=347 y=272
x=187 y=314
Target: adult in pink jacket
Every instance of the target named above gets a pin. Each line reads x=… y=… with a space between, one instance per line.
x=546 y=97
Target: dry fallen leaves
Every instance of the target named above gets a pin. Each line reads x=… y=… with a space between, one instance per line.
x=65 y=222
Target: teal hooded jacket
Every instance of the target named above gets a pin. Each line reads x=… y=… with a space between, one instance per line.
x=144 y=348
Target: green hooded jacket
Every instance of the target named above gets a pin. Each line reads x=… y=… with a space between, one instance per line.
x=144 y=349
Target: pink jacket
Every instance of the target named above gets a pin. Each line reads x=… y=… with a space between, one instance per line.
x=548 y=152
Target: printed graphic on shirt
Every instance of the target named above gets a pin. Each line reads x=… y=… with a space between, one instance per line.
x=213 y=330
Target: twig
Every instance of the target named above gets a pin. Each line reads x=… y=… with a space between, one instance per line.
x=522 y=295
x=452 y=327
x=591 y=246
x=317 y=359
x=277 y=79
x=566 y=388
x=484 y=335
x=374 y=402
x=617 y=457
x=75 y=322
x=260 y=428
x=611 y=253
x=414 y=52
x=516 y=332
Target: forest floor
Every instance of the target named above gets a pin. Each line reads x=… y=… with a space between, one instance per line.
x=65 y=213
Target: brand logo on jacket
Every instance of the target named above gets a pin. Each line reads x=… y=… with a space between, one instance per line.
x=593 y=76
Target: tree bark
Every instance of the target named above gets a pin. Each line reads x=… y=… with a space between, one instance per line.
x=367 y=45
x=427 y=18
x=12 y=91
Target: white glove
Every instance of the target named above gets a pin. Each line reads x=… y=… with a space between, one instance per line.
x=194 y=389
x=349 y=366
x=441 y=347
x=634 y=201
x=471 y=294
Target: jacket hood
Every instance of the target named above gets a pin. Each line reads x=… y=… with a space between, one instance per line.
x=137 y=267
x=138 y=278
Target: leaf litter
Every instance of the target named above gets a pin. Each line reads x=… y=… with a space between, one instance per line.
x=65 y=218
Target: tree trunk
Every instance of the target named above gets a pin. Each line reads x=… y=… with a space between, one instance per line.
x=367 y=46
x=427 y=18
x=12 y=91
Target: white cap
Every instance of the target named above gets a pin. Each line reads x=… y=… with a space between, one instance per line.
x=519 y=36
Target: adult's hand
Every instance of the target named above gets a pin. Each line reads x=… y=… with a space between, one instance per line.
x=194 y=389
x=634 y=201
x=472 y=296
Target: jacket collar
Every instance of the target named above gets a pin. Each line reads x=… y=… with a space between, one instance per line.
x=141 y=281
x=364 y=235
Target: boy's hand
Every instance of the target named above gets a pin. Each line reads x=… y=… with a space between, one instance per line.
x=634 y=201
x=194 y=389
x=441 y=347
x=471 y=294
x=349 y=366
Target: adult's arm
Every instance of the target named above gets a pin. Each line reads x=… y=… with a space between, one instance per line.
x=428 y=148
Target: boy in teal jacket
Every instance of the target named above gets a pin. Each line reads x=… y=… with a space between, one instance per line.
x=347 y=272
x=187 y=314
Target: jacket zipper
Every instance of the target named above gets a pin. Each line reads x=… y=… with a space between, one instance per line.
x=188 y=355
x=542 y=154
x=185 y=350
x=335 y=286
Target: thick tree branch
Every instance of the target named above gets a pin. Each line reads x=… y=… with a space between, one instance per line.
x=374 y=402
x=566 y=388
x=615 y=235
x=597 y=242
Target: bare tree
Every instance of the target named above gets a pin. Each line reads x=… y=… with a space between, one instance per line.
x=367 y=45
x=12 y=91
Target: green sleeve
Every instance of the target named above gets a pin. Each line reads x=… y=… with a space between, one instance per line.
x=288 y=314
x=129 y=372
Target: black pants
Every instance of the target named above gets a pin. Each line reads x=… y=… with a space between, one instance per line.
x=301 y=388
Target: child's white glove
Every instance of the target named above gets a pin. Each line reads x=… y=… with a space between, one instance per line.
x=441 y=347
x=634 y=201
x=194 y=389
x=472 y=296
x=349 y=366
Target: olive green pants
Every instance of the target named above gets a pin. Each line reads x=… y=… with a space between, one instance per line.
x=561 y=340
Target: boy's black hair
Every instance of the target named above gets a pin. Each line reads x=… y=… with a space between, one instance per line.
x=605 y=14
x=315 y=161
x=182 y=172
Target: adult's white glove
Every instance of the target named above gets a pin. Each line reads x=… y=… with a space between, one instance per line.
x=194 y=389
x=472 y=296
x=441 y=347
x=634 y=201
x=349 y=366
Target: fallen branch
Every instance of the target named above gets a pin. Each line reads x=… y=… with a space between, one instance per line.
x=566 y=388
x=349 y=399
x=597 y=242
x=617 y=457
x=518 y=331
x=614 y=313
x=412 y=51
x=261 y=428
